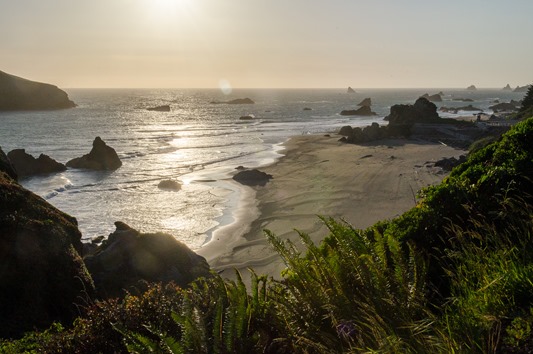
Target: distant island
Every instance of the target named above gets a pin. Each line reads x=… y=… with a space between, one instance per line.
x=18 y=94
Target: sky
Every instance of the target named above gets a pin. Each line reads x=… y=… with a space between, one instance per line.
x=268 y=44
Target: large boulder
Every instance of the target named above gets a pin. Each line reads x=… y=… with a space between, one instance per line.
x=129 y=259
x=17 y=93
x=101 y=157
x=252 y=177
x=43 y=278
x=422 y=111
x=362 y=111
x=27 y=165
x=6 y=165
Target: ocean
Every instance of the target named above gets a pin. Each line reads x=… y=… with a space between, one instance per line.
x=197 y=143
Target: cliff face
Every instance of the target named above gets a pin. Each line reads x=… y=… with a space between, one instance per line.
x=42 y=275
x=18 y=94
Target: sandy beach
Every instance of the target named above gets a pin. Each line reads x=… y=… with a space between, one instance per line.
x=321 y=176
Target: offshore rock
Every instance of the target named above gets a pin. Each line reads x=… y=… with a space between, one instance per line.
x=18 y=94
x=129 y=259
x=363 y=111
x=521 y=88
x=42 y=276
x=350 y=90
x=27 y=165
x=169 y=184
x=367 y=102
x=421 y=111
x=471 y=88
x=101 y=157
x=433 y=98
x=252 y=177
x=163 y=108
x=507 y=88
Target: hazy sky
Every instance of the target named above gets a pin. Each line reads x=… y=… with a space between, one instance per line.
x=274 y=43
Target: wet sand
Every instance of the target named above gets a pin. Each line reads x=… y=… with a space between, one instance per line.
x=319 y=175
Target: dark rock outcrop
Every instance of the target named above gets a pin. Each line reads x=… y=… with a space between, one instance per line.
x=471 y=88
x=252 y=177
x=432 y=98
x=163 y=108
x=504 y=107
x=169 y=184
x=447 y=164
x=27 y=165
x=350 y=90
x=6 y=165
x=367 y=102
x=18 y=94
x=247 y=117
x=101 y=157
x=235 y=101
x=421 y=111
x=507 y=88
x=42 y=276
x=463 y=99
x=455 y=110
x=363 y=111
x=128 y=259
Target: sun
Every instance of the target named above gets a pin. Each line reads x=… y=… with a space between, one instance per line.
x=167 y=10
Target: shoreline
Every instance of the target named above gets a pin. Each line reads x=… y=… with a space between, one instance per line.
x=318 y=175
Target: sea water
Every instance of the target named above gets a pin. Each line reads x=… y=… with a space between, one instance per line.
x=197 y=143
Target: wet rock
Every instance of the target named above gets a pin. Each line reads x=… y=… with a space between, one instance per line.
x=169 y=184
x=252 y=177
x=101 y=157
x=27 y=165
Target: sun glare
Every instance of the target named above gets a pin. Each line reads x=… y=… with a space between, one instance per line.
x=164 y=10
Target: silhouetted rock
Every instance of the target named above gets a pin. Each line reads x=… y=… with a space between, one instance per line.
x=346 y=131
x=101 y=157
x=433 y=98
x=363 y=111
x=504 y=106
x=521 y=88
x=507 y=88
x=18 y=94
x=235 y=101
x=27 y=165
x=455 y=110
x=247 y=117
x=307 y=109
x=471 y=88
x=129 y=259
x=421 y=111
x=350 y=90
x=463 y=99
x=367 y=102
x=163 y=108
x=169 y=184
x=6 y=165
x=42 y=276
x=252 y=177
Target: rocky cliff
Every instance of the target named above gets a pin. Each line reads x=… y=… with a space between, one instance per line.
x=18 y=94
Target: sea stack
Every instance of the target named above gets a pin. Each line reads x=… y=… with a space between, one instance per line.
x=27 y=165
x=18 y=94
x=101 y=157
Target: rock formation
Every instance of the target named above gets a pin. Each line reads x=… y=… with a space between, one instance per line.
x=169 y=184
x=350 y=90
x=521 y=88
x=235 y=101
x=455 y=110
x=101 y=157
x=367 y=102
x=252 y=177
x=6 y=166
x=17 y=94
x=363 y=111
x=505 y=107
x=507 y=88
x=463 y=99
x=27 y=165
x=432 y=98
x=128 y=259
x=471 y=88
x=421 y=111
x=163 y=108
x=247 y=117
x=42 y=276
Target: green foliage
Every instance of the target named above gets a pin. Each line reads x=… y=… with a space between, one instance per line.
x=526 y=110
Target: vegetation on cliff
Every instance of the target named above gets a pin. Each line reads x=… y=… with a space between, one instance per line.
x=451 y=275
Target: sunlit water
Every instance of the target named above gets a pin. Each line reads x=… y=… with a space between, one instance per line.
x=197 y=143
